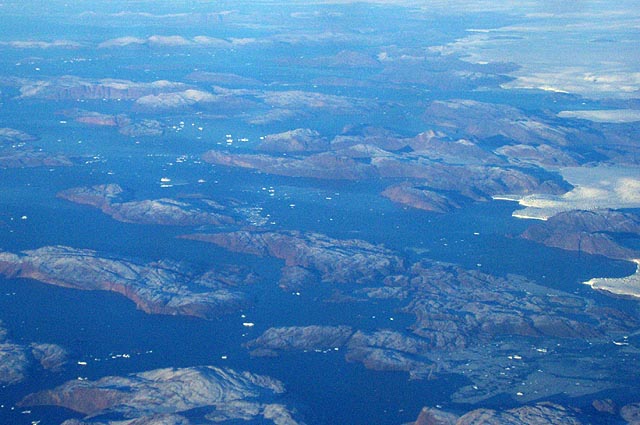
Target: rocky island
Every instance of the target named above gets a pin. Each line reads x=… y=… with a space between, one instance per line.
x=298 y=140
x=168 y=212
x=540 y=414
x=17 y=151
x=69 y=87
x=333 y=260
x=161 y=395
x=543 y=413
x=123 y=122
x=420 y=198
x=155 y=288
x=11 y=135
x=18 y=360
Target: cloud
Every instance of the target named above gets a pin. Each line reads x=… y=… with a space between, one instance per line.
x=127 y=14
x=171 y=40
x=211 y=41
x=457 y=7
x=610 y=115
x=34 y=44
x=177 y=41
x=121 y=42
x=628 y=190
